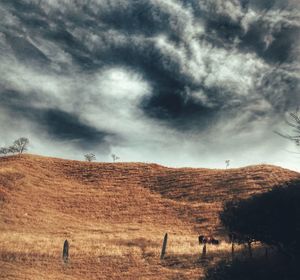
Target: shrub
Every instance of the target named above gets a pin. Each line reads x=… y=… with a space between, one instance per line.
x=257 y=269
x=272 y=218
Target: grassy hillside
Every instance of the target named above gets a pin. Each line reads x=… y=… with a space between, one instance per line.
x=115 y=216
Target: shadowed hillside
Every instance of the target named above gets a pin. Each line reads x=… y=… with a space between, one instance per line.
x=114 y=216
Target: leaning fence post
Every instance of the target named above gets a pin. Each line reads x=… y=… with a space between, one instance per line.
x=203 y=255
x=249 y=249
x=232 y=239
x=66 y=251
x=164 y=247
x=232 y=250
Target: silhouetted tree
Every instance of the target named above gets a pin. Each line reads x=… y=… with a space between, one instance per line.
x=12 y=149
x=233 y=218
x=90 y=157
x=114 y=157
x=4 y=151
x=294 y=123
x=272 y=218
x=254 y=269
x=20 y=145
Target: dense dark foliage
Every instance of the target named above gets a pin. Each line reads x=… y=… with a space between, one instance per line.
x=257 y=269
x=272 y=218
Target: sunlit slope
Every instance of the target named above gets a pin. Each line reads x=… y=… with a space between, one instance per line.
x=114 y=215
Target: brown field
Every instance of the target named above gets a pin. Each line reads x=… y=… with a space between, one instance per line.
x=115 y=216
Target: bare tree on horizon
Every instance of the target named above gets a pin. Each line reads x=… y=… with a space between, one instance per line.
x=4 y=151
x=114 y=157
x=20 y=145
x=90 y=157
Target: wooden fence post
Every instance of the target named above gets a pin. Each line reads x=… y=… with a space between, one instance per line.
x=164 y=247
x=203 y=255
x=66 y=251
x=249 y=249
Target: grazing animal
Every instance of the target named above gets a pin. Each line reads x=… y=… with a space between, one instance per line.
x=204 y=239
x=215 y=242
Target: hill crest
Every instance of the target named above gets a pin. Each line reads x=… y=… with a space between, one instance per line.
x=116 y=213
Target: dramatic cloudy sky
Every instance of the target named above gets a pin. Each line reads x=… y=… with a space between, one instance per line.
x=177 y=82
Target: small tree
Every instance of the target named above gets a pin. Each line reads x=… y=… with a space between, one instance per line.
x=90 y=157
x=20 y=145
x=12 y=149
x=4 y=151
x=114 y=157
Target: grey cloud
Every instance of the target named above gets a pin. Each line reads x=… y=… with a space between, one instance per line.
x=204 y=62
x=57 y=124
x=25 y=51
x=270 y=4
x=281 y=89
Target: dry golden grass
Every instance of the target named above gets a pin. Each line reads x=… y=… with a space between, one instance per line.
x=115 y=217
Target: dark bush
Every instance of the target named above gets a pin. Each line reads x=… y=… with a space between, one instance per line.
x=272 y=218
x=256 y=269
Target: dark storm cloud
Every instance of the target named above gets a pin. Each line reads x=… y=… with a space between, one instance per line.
x=225 y=28
x=68 y=127
x=267 y=4
x=25 y=51
x=281 y=89
x=168 y=100
x=147 y=18
x=271 y=39
x=140 y=17
x=57 y=124
x=274 y=46
x=204 y=62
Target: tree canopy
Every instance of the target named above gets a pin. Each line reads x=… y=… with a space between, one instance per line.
x=272 y=218
x=90 y=157
x=19 y=146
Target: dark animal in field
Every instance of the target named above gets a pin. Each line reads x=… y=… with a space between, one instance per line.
x=204 y=239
